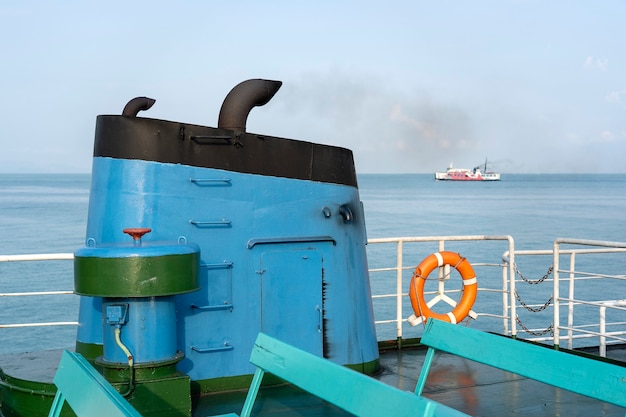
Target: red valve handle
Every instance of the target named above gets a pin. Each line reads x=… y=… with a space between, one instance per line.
x=137 y=232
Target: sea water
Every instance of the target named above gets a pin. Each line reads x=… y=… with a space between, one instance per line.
x=40 y=213
x=47 y=213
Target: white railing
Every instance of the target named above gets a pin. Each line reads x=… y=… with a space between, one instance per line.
x=400 y=297
x=594 y=329
x=37 y=257
x=29 y=258
x=572 y=277
x=591 y=327
x=569 y=277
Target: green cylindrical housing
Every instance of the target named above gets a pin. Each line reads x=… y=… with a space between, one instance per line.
x=146 y=270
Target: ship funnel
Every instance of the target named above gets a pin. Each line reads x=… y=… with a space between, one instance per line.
x=241 y=99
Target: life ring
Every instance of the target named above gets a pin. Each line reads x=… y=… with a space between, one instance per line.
x=428 y=265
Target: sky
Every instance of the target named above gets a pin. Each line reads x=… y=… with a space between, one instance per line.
x=410 y=86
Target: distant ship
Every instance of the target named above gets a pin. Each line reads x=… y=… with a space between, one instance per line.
x=464 y=174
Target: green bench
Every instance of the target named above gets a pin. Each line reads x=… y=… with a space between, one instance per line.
x=600 y=380
x=349 y=390
x=86 y=391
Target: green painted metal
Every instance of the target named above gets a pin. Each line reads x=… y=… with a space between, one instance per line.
x=398 y=344
x=89 y=351
x=595 y=379
x=166 y=397
x=367 y=368
x=349 y=390
x=86 y=391
x=207 y=386
x=145 y=276
x=115 y=372
x=22 y=398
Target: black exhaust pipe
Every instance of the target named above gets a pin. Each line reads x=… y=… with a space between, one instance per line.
x=136 y=105
x=241 y=99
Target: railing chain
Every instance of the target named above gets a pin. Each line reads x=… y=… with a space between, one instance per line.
x=533 y=309
x=550 y=329
x=533 y=282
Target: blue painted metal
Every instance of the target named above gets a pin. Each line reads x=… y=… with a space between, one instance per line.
x=290 y=239
x=211 y=181
x=295 y=276
x=222 y=348
x=116 y=314
x=269 y=209
x=349 y=390
x=214 y=307
x=90 y=312
x=601 y=380
x=149 y=331
x=86 y=391
x=211 y=223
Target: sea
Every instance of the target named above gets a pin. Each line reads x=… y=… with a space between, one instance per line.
x=47 y=213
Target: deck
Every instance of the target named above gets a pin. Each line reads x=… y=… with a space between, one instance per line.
x=468 y=386
x=465 y=385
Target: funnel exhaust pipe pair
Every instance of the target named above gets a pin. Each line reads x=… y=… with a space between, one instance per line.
x=235 y=108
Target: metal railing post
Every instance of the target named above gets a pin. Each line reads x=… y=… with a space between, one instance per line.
x=570 y=303
x=399 y=268
x=555 y=293
x=603 y=331
x=512 y=289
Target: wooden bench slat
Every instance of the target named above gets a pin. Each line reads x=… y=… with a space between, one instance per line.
x=595 y=379
x=86 y=391
x=354 y=392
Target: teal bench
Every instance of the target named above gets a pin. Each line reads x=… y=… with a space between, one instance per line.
x=349 y=390
x=600 y=380
x=89 y=394
x=86 y=391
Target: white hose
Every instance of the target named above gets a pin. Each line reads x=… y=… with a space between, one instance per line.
x=124 y=348
x=129 y=355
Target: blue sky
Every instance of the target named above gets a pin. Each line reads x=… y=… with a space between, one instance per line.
x=409 y=86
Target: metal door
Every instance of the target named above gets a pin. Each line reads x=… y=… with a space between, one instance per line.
x=291 y=298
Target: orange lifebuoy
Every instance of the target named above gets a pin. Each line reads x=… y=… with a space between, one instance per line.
x=428 y=265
